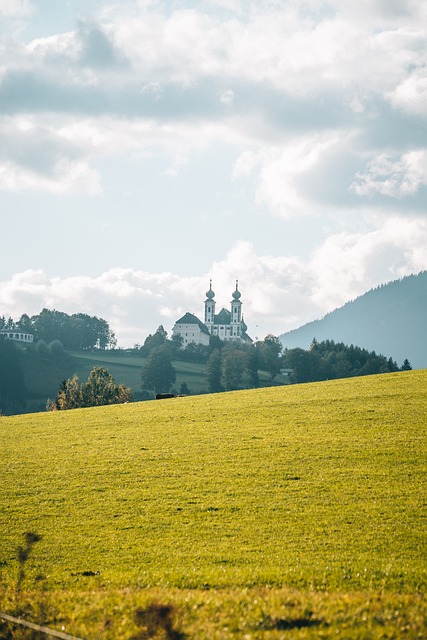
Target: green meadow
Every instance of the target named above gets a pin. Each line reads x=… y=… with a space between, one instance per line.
x=295 y=511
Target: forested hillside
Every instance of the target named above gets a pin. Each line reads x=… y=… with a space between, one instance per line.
x=390 y=319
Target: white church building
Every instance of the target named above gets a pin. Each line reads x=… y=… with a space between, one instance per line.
x=227 y=324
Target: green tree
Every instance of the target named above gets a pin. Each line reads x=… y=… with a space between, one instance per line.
x=92 y=332
x=158 y=372
x=406 y=366
x=79 y=331
x=184 y=390
x=6 y=323
x=330 y=360
x=213 y=371
x=195 y=353
x=177 y=342
x=100 y=389
x=392 y=365
x=269 y=351
x=43 y=350
x=69 y=395
x=25 y=324
x=302 y=363
x=50 y=325
x=234 y=363
x=252 y=365
x=153 y=341
x=56 y=348
x=215 y=342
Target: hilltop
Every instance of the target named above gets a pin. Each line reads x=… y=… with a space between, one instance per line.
x=390 y=319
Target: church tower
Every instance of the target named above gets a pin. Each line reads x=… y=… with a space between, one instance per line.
x=236 y=312
x=210 y=308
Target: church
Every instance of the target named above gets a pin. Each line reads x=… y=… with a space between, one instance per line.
x=227 y=324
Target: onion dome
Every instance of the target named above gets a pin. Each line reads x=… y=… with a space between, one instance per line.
x=210 y=294
x=236 y=294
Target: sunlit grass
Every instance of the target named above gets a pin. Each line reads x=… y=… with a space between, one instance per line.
x=300 y=489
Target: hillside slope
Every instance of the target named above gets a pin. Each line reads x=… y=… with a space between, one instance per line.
x=390 y=320
x=306 y=485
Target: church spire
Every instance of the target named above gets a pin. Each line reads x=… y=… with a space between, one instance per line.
x=210 y=294
x=210 y=306
x=236 y=293
x=236 y=310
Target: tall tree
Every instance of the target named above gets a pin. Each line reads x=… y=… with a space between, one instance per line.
x=234 y=363
x=25 y=324
x=406 y=366
x=252 y=365
x=269 y=351
x=213 y=371
x=153 y=341
x=158 y=372
x=69 y=395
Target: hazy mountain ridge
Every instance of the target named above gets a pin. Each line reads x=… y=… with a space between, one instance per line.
x=390 y=319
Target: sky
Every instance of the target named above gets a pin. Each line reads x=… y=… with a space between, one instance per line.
x=147 y=147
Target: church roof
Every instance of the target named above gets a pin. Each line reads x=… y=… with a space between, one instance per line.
x=223 y=317
x=190 y=318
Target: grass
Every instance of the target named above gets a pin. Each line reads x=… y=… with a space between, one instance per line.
x=256 y=513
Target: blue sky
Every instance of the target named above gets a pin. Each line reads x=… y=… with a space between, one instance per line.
x=148 y=146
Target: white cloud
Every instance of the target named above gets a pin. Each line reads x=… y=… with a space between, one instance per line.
x=410 y=95
x=396 y=178
x=36 y=156
x=15 y=8
x=282 y=173
x=347 y=264
x=307 y=81
x=321 y=105
x=66 y=177
x=227 y=98
x=278 y=293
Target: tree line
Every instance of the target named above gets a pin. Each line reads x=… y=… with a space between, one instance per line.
x=78 y=331
x=329 y=360
x=232 y=365
x=228 y=365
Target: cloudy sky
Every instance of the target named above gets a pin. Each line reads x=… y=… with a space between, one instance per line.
x=147 y=146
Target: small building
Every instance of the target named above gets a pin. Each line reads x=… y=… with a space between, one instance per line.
x=286 y=372
x=191 y=330
x=228 y=325
x=17 y=335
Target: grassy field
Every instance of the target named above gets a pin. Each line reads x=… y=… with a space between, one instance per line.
x=293 y=511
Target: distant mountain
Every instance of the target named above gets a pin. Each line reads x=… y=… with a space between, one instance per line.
x=391 y=320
